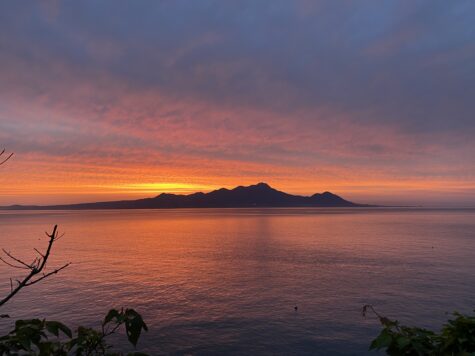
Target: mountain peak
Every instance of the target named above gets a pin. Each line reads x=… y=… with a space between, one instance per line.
x=254 y=187
x=261 y=185
x=326 y=194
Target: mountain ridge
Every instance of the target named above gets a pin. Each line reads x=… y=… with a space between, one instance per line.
x=257 y=195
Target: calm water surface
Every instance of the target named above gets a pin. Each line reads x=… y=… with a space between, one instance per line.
x=225 y=281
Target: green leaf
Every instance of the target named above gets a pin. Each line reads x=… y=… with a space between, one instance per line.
x=134 y=325
x=383 y=340
x=55 y=326
x=46 y=348
x=112 y=314
x=32 y=323
x=403 y=341
x=25 y=342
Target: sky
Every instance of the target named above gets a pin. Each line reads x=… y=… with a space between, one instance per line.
x=371 y=100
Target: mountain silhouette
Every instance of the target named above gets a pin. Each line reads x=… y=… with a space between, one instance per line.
x=258 y=195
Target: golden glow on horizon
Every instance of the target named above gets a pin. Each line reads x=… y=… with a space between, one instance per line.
x=53 y=192
x=41 y=181
x=163 y=187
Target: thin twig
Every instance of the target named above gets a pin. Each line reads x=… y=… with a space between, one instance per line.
x=12 y=265
x=47 y=275
x=5 y=159
x=382 y=319
x=29 y=266
x=105 y=333
x=39 y=253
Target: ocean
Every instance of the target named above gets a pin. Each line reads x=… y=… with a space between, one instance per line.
x=227 y=281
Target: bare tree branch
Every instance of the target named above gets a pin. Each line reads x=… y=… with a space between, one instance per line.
x=39 y=253
x=36 y=267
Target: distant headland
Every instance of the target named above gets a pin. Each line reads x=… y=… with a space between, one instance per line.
x=258 y=195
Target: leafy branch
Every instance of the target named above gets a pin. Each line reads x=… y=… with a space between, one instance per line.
x=457 y=337
x=42 y=337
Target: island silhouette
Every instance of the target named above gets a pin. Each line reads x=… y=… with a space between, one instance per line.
x=257 y=195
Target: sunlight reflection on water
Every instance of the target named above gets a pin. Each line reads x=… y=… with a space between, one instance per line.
x=216 y=281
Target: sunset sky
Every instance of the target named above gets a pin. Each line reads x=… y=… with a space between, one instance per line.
x=372 y=100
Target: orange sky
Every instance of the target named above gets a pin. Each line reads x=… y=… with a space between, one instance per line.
x=378 y=111
x=38 y=180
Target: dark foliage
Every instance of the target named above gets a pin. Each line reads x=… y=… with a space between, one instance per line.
x=457 y=337
x=42 y=337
